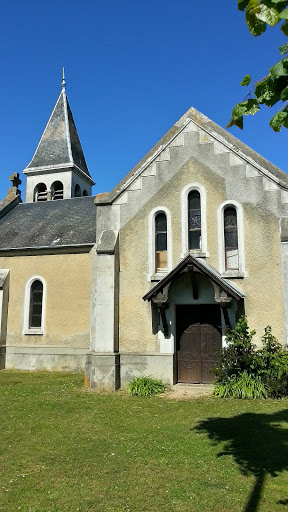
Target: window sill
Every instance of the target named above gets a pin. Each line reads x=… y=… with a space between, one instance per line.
x=159 y=275
x=196 y=253
x=235 y=274
x=33 y=332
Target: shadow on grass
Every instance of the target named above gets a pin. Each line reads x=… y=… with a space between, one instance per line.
x=258 y=443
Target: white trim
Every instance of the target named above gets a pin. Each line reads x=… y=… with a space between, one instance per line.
x=203 y=252
x=241 y=272
x=151 y=244
x=33 y=330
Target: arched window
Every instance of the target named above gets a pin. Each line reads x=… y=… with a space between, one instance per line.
x=36 y=303
x=231 y=238
x=231 y=247
x=77 y=192
x=194 y=220
x=160 y=241
x=85 y=193
x=57 y=190
x=40 y=193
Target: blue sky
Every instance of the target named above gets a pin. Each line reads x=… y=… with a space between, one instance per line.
x=132 y=70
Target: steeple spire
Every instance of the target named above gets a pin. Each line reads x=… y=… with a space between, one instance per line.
x=59 y=151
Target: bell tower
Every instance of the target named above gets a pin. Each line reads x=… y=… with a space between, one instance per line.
x=58 y=169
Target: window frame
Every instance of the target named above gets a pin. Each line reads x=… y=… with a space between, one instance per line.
x=241 y=271
x=153 y=275
x=203 y=251
x=27 y=330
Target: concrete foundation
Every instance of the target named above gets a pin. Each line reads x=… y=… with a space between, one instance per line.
x=102 y=371
x=44 y=358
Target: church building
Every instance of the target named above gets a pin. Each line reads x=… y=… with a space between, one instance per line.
x=145 y=279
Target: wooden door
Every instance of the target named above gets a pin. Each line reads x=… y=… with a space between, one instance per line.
x=198 y=342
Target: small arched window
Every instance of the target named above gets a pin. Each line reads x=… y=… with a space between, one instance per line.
x=85 y=193
x=231 y=238
x=36 y=304
x=77 y=192
x=57 y=190
x=160 y=241
x=40 y=192
x=194 y=220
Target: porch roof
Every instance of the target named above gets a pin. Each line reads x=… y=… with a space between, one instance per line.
x=202 y=267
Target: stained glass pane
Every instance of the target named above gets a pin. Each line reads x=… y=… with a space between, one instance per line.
x=194 y=239
x=231 y=238
x=194 y=200
x=194 y=219
x=230 y=217
x=160 y=222
x=161 y=241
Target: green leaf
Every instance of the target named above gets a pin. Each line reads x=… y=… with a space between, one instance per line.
x=284 y=28
x=265 y=92
x=242 y=4
x=284 y=48
x=280 y=69
x=246 y=80
x=284 y=94
x=268 y=14
x=278 y=120
x=244 y=108
x=284 y=14
x=255 y=25
x=237 y=122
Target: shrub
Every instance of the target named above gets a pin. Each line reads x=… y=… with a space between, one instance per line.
x=146 y=386
x=272 y=365
x=239 y=353
x=244 y=385
x=243 y=369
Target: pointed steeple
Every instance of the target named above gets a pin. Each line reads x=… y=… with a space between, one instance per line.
x=59 y=146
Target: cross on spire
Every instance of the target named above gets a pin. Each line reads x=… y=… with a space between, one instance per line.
x=15 y=179
x=63 y=79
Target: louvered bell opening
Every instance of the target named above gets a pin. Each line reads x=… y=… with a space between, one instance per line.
x=58 y=194
x=194 y=220
x=57 y=190
x=42 y=196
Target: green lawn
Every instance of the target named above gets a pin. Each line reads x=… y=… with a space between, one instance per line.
x=63 y=448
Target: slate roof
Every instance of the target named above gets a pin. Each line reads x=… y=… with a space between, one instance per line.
x=49 y=224
x=59 y=145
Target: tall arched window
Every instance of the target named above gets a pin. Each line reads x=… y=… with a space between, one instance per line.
x=85 y=193
x=57 y=190
x=160 y=241
x=40 y=192
x=231 y=238
x=194 y=220
x=36 y=304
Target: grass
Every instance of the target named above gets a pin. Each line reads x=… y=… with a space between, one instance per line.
x=63 y=448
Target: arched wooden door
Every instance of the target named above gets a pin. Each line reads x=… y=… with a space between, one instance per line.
x=198 y=342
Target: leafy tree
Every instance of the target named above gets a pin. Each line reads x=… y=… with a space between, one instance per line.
x=273 y=88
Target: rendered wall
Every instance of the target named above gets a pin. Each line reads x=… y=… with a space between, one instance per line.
x=261 y=240
x=65 y=341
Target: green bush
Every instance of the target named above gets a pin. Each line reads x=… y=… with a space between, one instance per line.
x=272 y=365
x=244 y=385
x=243 y=369
x=146 y=386
x=239 y=354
